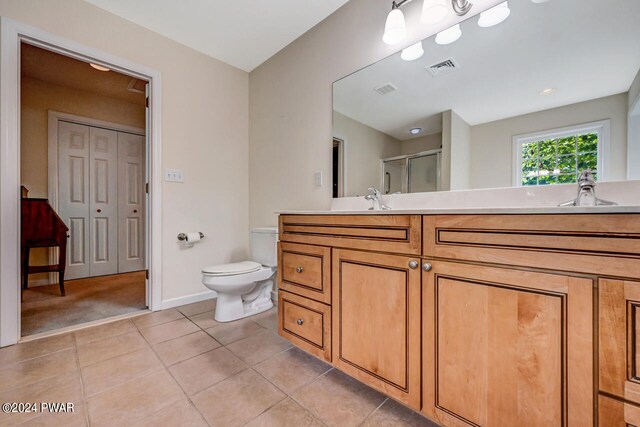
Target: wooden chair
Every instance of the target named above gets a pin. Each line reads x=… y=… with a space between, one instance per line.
x=42 y=228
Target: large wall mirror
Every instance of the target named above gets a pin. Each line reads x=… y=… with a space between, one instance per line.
x=534 y=100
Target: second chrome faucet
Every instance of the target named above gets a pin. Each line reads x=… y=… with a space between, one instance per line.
x=375 y=197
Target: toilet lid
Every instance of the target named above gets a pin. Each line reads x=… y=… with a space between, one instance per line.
x=232 y=269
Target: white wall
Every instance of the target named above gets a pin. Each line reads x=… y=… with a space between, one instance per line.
x=291 y=102
x=204 y=130
x=460 y=153
x=423 y=143
x=365 y=147
x=491 y=147
x=633 y=150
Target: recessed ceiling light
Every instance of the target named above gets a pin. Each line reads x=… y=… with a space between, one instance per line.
x=449 y=35
x=99 y=67
x=415 y=131
x=413 y=52
x=548 y=91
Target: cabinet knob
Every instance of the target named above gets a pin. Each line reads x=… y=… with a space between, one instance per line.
x=298 y=269
x=427 y=266
x=99 y=210
x=135 y=211
x=413 y=264
x=299 y=321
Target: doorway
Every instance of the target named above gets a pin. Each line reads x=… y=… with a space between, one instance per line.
x=89 y=123
x=14 y=34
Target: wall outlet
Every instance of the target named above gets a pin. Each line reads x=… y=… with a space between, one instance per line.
x=317 y=178
x=173 y=175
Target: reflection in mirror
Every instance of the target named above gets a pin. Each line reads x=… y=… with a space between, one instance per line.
x=552 y=90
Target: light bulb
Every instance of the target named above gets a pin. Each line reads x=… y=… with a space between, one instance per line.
x=99 y=67
x=413 y=52
x=395 y=29
x=415 y=131
x=495 y=15
x=449 y=35
x=434 y=11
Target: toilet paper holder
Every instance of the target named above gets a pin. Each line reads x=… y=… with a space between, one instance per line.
x=183 y=236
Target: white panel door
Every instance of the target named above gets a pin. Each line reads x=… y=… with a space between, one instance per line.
x=73 y=195
x=131 y=202
x=103 y=196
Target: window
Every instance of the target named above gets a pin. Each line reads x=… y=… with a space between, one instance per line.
x=558 y=156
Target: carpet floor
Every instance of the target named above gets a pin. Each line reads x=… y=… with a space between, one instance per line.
x=86 y=300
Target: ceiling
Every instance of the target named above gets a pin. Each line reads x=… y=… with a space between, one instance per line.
x=242 y=33
x=585 y=49
x=50 y=67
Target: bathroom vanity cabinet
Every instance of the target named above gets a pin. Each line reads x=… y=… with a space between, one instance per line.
x=474 y=320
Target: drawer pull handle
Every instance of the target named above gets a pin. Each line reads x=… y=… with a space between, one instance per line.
x=299 y=269
x=427 y=266
x=299 y=321
x=413 y=264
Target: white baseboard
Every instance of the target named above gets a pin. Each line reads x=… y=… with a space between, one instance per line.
x=188 y=299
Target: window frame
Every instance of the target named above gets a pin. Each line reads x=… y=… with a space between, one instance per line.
x=602 y=128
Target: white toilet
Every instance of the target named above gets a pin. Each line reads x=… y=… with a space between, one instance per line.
x=244 y=288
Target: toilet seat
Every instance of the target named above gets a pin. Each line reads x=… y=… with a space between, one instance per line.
x=232 y=269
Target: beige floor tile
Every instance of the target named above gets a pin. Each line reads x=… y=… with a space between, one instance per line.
x=185 y=347
x=202 y=371
x=101 y=332
x=120 y=369
x=205 y=320
x=157 y=318
x=168 y=331
x=35 y=348
x=237 y=400
x=338 y=400
x=39 y=369
x=268 y=319
x=259 y=347
x=286 y=414
x=133 y=401
x=226 y=333
x=98 y=351
x=291 y=369
x=393 y=414
x=197 y=307
x=77 y=418
x=181 y=413
x=62 y=388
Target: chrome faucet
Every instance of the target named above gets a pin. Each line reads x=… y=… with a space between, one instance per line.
x=376 y=198
x=587 y=192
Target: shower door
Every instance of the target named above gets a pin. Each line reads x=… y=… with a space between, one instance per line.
x=424 y=173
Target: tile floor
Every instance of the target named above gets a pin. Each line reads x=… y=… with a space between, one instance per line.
x=179 y=367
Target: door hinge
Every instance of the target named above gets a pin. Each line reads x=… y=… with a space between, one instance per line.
x=146 y=274
x=146 y=188
x=146 y=102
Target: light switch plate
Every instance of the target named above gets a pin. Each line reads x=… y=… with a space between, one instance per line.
x=173 y=175
x=317 y=177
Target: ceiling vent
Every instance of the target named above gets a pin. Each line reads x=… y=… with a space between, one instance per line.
x=386 y=89
x=443 y=67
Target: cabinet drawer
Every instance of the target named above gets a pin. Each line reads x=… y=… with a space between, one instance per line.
x=383 y=233
x=305 y=323
x=597 y=244
x=305 y=270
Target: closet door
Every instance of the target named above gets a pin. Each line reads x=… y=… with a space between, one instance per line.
x=73 y=195
x=131 y=202
x=103 y=196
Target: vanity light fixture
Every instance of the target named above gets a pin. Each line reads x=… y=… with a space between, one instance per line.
x=412 y=52
x=433 y=12
x=449 y=35
x=495 y=15
x=415 y=131
x=99 y=67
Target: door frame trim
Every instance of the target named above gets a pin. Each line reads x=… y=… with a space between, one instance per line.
x=54 y=119
x=12 y=33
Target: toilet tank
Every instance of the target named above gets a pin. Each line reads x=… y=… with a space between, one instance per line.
x=264 y=246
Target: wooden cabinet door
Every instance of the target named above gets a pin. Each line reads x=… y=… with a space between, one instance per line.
x=376 y=321
x=503 y=347
x=619 y=336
